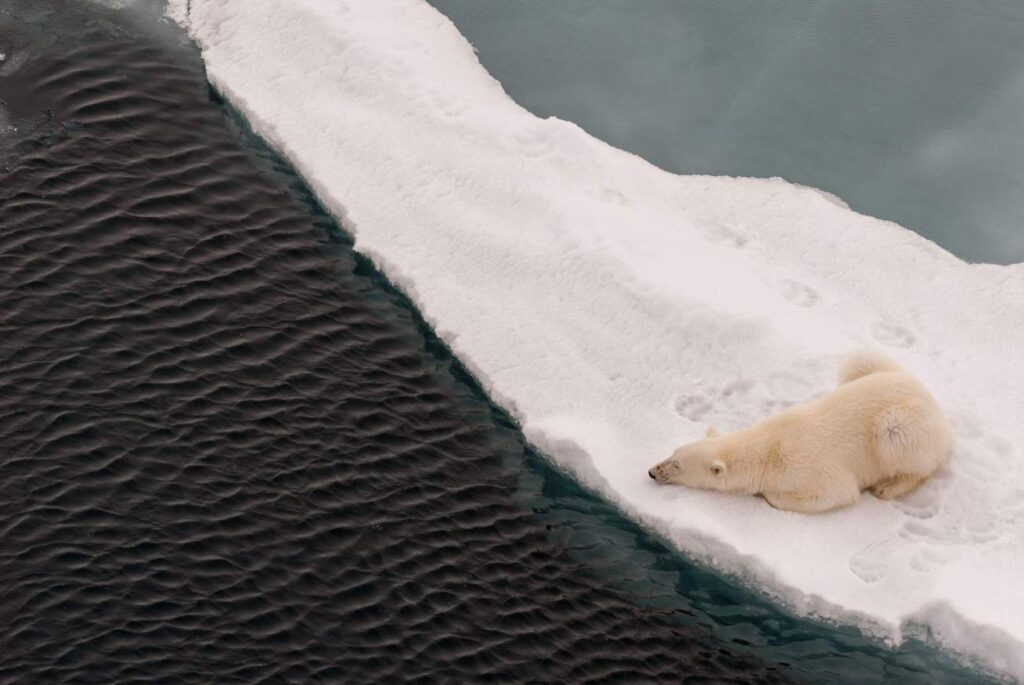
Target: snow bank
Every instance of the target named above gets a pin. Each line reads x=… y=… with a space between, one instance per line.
x=616 y=310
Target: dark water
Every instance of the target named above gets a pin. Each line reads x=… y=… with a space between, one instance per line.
x=909 y=111
x=230 y=452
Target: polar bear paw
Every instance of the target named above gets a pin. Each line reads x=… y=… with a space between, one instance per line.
x=896 y=486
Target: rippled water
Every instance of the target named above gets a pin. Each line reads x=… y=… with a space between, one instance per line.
x=909 y=111
x=231 y=452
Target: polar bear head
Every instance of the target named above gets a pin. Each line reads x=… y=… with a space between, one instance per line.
x=699 y=464
x=712 y=463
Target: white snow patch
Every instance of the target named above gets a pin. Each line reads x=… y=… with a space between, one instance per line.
x=177 y=10
x=616 y=309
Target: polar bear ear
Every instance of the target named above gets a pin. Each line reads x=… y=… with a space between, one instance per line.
x=712 y=432
x=718 y=467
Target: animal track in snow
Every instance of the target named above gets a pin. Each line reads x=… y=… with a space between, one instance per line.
x=692 y=407
x=925 y=560
x=798 y=293
x=893 y=335
x=734 y=236
x=451 y=107
x=738 y=388
x=925 y=501
x=972 y=502
x=612 y=195
x=872 y=563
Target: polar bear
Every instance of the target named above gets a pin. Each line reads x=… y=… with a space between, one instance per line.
x=878 y=430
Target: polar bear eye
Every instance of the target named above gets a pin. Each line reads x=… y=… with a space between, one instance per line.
x=717 y=469
x=675 y=466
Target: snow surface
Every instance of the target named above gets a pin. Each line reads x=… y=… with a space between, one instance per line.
x=616 y=309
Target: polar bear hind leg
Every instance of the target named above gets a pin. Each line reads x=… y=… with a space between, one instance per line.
x=911 y=447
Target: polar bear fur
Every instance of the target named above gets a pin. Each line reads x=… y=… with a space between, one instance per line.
x=878 y=430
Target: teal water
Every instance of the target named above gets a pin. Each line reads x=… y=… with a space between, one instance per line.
x=909 y=111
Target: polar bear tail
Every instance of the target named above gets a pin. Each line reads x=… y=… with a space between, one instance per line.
x=864 y=363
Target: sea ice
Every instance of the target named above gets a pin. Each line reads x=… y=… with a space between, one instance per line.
x=617 y=310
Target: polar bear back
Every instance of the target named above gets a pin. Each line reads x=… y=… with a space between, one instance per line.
x=876 y=427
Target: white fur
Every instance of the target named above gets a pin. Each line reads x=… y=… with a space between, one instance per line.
x=879 y=430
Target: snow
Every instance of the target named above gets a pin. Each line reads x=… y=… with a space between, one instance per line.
x=617 y=310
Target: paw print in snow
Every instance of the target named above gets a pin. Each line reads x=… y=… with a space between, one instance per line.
x=893 y=335
x=692 y=407
x=799 y=294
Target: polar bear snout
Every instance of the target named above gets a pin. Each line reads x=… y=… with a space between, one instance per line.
x=664 y=471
